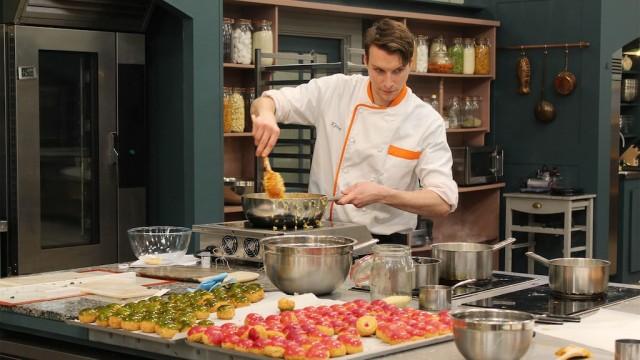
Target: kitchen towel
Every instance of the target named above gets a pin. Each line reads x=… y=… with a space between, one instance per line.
x=599 y=330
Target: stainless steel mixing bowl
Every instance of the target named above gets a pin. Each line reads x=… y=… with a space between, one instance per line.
x=294 y=210
x=492 y=334
x=316 y=264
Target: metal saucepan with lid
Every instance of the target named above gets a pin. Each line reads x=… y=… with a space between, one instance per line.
x=462 y=261
x=309 y=263
x=576 y=276
x=294 y=210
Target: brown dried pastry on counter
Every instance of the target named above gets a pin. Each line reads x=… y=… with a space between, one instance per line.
x=572 y=352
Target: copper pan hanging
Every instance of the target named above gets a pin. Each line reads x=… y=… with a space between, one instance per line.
x=565 y=80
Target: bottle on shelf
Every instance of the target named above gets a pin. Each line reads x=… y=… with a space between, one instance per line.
x=435 y=104
x=227 y=34
x=469 y=57
x=454 y=112
x=422 y=51
x=456 y=53
x=483 y=60
x=263 y=40
x=241 y=42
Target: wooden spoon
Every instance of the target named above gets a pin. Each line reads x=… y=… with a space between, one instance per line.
x=273 y=182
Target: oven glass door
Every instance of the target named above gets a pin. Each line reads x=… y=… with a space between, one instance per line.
x=66 y=178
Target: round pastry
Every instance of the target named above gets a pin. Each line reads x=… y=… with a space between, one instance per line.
x=202 y=312
x=258 y=347
x=240 y=300
x=205 y=322
x=336 y=347
x=253 y=319
x=325 y=329
x=274 y=348
x=218 y=304
x=131 y=322
x=226 y=312
x=168 y=330
x=212 y=336
x=88 y=315
x=366 y=325
x=102 y=319
x=195 y=333
x=294 y=352
x=286 y=304
x=317 y=351
x=352 y=344
x=148 y=323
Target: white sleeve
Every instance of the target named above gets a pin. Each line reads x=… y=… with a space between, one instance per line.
x=303 y=104
x=434 y=165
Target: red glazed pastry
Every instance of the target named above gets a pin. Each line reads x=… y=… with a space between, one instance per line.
x=352 y=343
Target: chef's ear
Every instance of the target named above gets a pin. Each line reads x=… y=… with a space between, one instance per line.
x=365 y=60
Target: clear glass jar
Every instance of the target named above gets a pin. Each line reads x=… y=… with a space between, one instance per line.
x=422 y=54
x=469 y=56
x=236 y=102
x=241 y=42
x=483 y=59
x=227 y=34
x=249 y=95
x=263 y=40
x=456 y=53
x=226 y=102
x=392 y=271
x=471 y=110
x=439 y=61
x=455 y=113
x=435 y=104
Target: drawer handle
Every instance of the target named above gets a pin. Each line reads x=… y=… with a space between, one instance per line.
x=536 y=205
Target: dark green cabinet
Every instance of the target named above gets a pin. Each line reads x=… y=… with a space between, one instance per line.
x=629 y=232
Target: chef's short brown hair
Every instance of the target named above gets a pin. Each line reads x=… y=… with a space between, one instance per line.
x=391 y=36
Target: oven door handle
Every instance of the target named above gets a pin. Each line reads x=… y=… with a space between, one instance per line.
x=4 y=227
x=497 y=163
x=113 y=138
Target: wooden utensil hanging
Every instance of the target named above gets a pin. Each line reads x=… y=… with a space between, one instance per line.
x=565 y=81
x=523 y=71
x=544 y=111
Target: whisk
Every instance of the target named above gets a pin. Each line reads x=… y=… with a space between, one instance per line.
x=273 y=182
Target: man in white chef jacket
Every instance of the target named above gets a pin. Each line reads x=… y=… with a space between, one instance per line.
x=376 y=140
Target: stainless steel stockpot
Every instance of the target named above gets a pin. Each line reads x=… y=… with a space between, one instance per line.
x=309 y=263
x=462 y=261
x=294 y=210
x=576 y=276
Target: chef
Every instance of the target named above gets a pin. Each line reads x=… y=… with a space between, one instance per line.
x=379 y=148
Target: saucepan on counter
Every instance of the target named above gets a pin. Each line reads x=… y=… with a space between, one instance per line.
x=462 y=261
x=576 y=276
x=438 y=297
x=301 y=264
x=294 y=210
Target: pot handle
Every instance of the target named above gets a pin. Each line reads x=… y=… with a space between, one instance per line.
x=465 y=282
x=538 y=258
x=502 y=244
x=365 y=244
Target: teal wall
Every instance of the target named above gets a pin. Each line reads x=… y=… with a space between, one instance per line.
x=185 y=101
x=578 y=141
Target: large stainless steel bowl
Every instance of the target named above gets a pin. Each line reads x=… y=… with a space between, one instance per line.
x=492 y=334
x=294 y=210
x=307 y=263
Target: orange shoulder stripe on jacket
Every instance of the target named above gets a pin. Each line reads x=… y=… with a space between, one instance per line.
x=403 y=153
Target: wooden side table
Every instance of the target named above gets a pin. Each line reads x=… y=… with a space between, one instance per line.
x=537 y=204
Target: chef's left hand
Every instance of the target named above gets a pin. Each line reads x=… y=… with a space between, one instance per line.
x=363 y=194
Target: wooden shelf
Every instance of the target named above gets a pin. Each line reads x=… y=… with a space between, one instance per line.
x=228 y=209
x=440 y=75
x=629 y=104
x=630 y=72
x=238 y=66
x=467 y=130
x=464 y=189
x=242 y=134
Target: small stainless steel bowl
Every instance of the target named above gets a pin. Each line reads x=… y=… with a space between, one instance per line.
x=483 y=334
x=307 y=263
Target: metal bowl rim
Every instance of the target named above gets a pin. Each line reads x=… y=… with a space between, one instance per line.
x=147 y=230
x=590 y=262
x=458 y=316
x=442 y=247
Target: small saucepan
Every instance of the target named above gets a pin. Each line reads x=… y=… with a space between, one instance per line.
x=438 y=297
x=576 y=276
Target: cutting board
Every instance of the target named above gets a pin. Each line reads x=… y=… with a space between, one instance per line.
x=195 y=274
x=49 y=278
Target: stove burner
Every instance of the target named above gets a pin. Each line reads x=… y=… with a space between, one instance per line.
x=251 y=247
x=229 y=244
x=560 y=295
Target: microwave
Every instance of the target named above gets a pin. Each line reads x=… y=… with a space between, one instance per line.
x=474 y=165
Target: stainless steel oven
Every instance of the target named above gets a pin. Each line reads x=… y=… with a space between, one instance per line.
x=60 y=145
x=474 y=165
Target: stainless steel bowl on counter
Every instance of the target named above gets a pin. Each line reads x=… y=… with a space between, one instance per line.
x=492 y=334
x=294 y=210
x=316 y=264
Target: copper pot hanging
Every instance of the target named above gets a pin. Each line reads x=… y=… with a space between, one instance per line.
x=565 y=80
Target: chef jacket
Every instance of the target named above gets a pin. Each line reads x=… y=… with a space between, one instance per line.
x=401 y=146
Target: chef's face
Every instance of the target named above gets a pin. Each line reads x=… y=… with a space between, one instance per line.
x=387 y=74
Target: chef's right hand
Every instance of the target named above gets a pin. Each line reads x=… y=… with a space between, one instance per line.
x=265 y=132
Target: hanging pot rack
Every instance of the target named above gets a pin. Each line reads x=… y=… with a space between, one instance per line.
x=581 y=44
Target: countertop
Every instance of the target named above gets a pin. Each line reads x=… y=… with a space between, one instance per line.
x=542 y=347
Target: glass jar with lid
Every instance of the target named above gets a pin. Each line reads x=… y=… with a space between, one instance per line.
x=483 y=58
x=422 y=54
x=456 y=53
x=471 y=111
x=226 y=105
x=455 y=112
x=263 y=40
x=392 y=271
x=227 y=34
x=469 y=56
x=249 y=95
x=241 y=42
x=439 y=61
x=236 y=102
